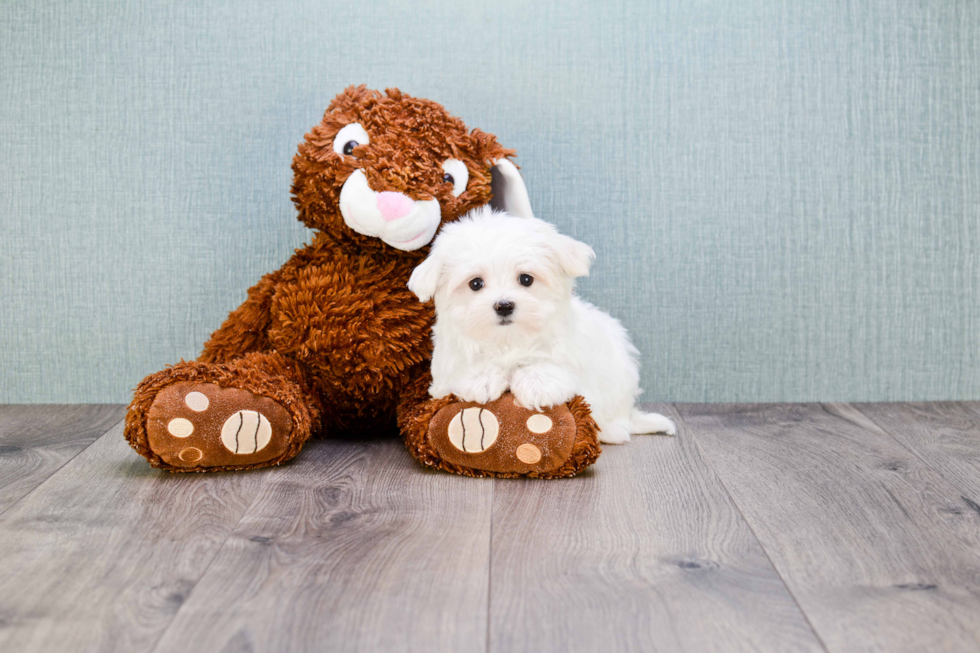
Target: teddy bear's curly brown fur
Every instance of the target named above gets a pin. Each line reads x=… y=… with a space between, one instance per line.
x=333 y=342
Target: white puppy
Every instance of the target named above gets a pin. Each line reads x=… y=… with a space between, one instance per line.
x=507 y=317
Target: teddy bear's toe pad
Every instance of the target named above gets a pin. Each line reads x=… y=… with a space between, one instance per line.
x=502 y=436
x=199 y=425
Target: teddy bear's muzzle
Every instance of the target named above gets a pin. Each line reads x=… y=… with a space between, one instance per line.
x=395 y=218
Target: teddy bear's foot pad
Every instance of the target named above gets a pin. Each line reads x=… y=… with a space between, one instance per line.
x=503 y=437
x=194 y=426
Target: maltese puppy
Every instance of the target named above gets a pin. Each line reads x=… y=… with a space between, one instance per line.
x=507 y=318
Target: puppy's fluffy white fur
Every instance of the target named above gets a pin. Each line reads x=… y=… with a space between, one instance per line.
x=551 y=347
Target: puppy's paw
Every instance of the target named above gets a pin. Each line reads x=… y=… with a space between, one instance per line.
x=542 y=386
x=652 y=423
x=614 y=434
x=668 y=427
x=481 y=388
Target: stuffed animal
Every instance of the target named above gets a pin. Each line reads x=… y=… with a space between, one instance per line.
x=333 y=342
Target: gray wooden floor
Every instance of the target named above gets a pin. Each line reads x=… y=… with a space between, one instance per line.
x=766 y=528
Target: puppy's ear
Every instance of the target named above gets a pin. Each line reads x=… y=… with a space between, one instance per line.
x=425 y=278
x=509 y=192
x=574 y=257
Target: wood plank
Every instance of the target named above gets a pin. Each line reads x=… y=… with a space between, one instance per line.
x=102 y=555
x=36 y=440
x=858 y=527
x=945 y=435
x=644 y=552
x=356 y=548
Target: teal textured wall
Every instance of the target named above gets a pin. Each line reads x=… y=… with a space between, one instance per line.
x=784 y=196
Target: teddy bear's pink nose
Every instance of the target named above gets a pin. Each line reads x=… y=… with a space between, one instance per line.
x=393 y=205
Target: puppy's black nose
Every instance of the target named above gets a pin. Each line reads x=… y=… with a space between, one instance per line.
x=504 y=307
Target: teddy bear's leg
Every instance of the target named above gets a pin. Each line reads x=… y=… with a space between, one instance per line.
x=500 y=438
x=252 y=411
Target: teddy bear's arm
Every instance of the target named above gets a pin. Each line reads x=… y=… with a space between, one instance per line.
x=246 y=328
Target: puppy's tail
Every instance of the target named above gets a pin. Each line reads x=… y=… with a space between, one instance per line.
x=641 y=422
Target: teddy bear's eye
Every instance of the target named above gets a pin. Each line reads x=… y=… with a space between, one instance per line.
x=525 y=279
x=348 y=138
x=456 y=174
x=476 y=284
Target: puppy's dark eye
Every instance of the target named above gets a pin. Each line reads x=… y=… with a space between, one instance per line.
x=476 y=284
x=349 y=147
x=525 y=279
x=448 y=178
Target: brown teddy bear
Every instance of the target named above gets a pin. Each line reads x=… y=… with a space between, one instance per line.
x=333 y=342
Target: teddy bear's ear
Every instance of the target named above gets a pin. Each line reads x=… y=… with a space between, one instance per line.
x=509 y=192
x=425 y=277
